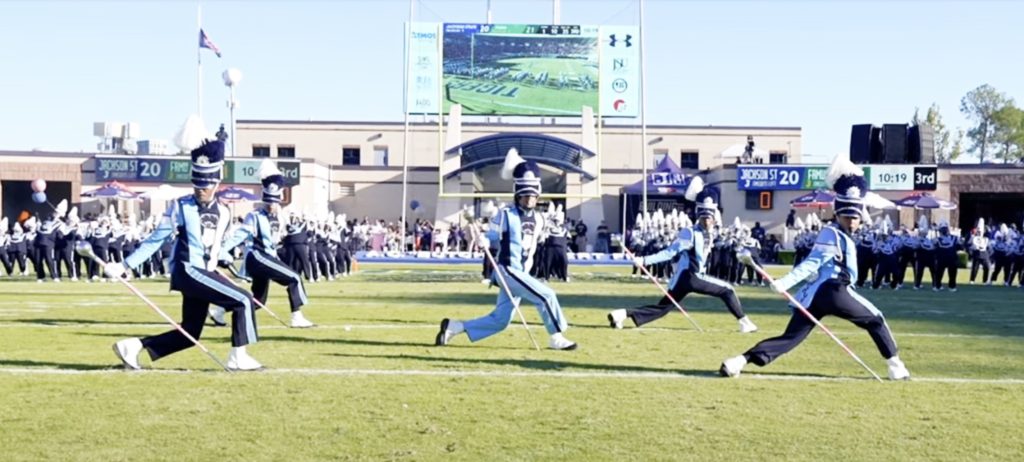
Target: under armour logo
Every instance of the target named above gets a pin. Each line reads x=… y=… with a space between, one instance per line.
x=615 y=40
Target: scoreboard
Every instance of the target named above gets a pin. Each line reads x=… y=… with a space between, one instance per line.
x=164 y=170
x=809 y=177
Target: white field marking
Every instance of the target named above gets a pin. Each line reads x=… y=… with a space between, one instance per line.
x=511 y=374
x=116 y=325
x=518 y=106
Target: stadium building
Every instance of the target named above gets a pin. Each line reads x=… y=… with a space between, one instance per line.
x=357 y=168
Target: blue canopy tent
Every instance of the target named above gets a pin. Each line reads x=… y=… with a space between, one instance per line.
x=666 y=186
x=236 y=194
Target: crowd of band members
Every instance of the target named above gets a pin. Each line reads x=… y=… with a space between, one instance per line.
x=323 y=249
x=885 y=255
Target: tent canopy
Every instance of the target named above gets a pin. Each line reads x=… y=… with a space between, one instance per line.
x=666 y=179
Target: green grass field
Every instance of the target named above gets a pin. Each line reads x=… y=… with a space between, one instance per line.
x=367 y=384
x=529 y=98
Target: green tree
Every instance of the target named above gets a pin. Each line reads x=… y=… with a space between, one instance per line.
x=979 y=105
x=956 y=147
x=1008 y=132
x=943 y=137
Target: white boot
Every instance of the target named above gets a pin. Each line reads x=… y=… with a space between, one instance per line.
x=239 y=360
x=615 y=318
x=299 y=320
x=559 y=342
x=449 y=328
x=733 y=366
x=217 y=316
x=747 y=326
x=897 y=370
x=127 y=351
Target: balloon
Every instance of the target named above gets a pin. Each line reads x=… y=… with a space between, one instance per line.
x=39 y=197
x=38 y=185
x=415 y=204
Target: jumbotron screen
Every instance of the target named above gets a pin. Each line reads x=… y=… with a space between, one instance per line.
x=520 y=69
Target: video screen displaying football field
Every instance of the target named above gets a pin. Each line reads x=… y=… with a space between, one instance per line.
x=519 y=74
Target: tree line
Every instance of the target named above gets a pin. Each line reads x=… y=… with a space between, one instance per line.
x=997 y=133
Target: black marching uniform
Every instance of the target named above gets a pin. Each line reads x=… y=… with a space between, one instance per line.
x=888 y=262
x=945 y=259
x=981 y=256
x=1003 y=256
x=45 y=256
x=865 y=257
x=261 y=262
x=199 y=231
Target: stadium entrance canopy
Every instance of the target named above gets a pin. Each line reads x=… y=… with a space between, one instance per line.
x=484 y=156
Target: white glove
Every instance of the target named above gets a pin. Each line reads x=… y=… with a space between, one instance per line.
x=114 y=269
x=638 y=261
x=776 y=287
x=483 y=242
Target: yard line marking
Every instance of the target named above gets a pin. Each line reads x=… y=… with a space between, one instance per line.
x=56 y=324
x=510 y=374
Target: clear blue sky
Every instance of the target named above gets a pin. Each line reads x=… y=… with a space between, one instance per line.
x=819 y=65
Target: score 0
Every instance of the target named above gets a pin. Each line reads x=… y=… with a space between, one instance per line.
x=765 y=200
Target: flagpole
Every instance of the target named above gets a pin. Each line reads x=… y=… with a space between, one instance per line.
x=643 y=107
x=199 y=62
x=405 y=110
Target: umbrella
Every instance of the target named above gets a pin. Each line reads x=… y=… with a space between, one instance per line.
x=112 y=190
x=925 y=201
x=816 y=199
x=235 y=194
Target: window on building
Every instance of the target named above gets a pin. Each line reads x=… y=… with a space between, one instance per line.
x=689 y=159
x=659 y=155
x=777 y=157
x=380 y=155
x=260 y=151
x=350 y=156
x=286 y=151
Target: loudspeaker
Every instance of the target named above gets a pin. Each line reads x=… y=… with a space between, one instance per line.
x=914 y=144
x=877 y=153
x=921 y=144
x=894 y=141
x=860 y=144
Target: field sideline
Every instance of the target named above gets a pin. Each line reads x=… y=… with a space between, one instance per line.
x=368 y=384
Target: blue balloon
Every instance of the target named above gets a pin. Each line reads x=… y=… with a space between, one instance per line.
x=415 y=204
x=39 y=197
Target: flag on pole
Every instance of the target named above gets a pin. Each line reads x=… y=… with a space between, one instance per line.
x=205 y=42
